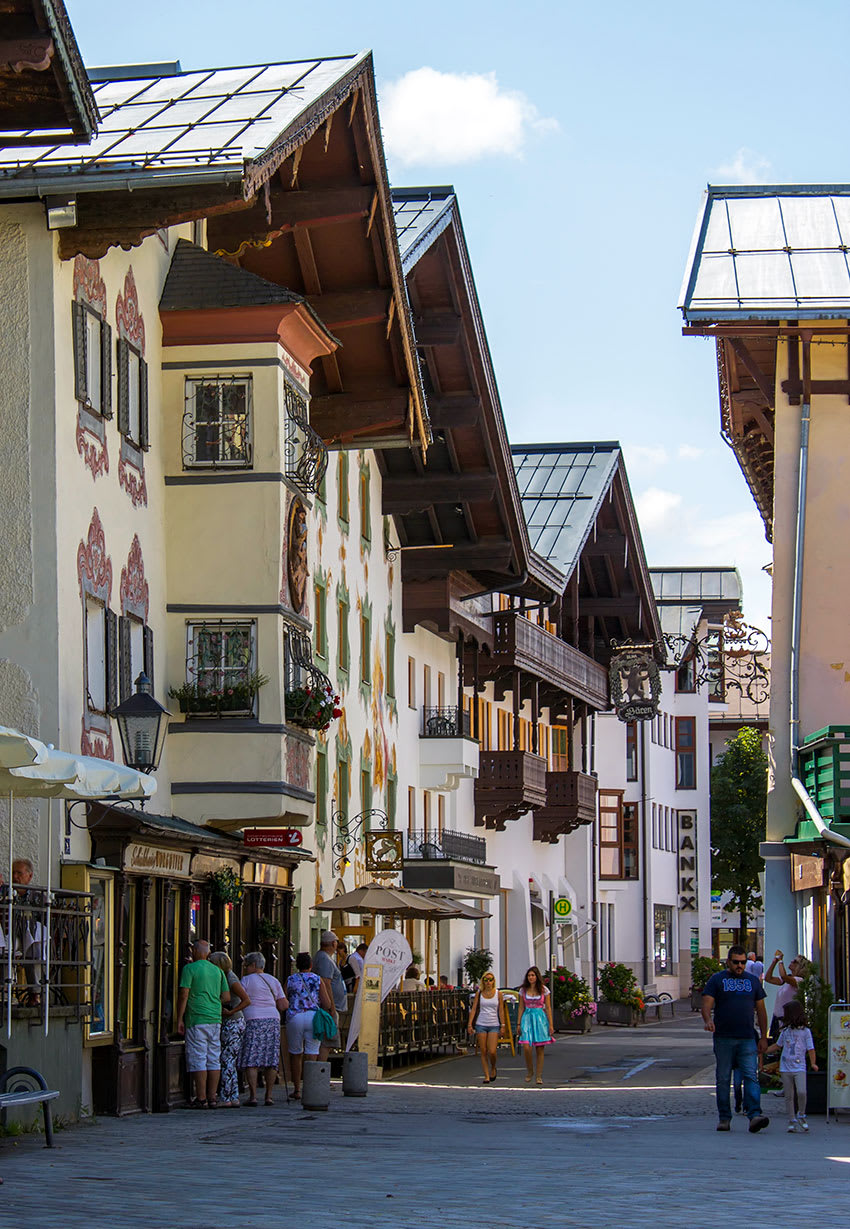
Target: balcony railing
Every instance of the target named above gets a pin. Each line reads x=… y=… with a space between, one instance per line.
x=445 y=723
x=50 y=953
x=509 y=784
x=454 y=846
x=305 y=453
x=570 y=802
x=527 y=646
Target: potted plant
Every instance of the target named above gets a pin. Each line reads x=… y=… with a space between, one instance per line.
x=476 y=962
x=817 y=997
x=269 y=931
x=226 y=885
x=234 y=698
x=572 y=1004
x=622 y=1000
x=313 y=706
x=702 y=967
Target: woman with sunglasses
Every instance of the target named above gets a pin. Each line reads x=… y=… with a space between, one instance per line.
x=487 y=1021
x=535 y=1028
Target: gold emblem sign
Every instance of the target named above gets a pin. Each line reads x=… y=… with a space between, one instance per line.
x=384 y=852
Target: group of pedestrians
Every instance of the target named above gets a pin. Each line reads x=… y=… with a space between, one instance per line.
x=233 y=1024
x=535 y=1027
x=731 y=1000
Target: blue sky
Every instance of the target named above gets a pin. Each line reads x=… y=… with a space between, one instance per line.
x=579 y=139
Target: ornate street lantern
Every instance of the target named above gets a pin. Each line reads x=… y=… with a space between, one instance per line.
x=142 y=724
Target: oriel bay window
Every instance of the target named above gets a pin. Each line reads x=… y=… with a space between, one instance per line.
x=686 y=753
x=217 y=422
x=92 y=359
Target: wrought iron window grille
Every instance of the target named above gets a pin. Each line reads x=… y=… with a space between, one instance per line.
x=221 y=675
x=217 y=423
x=347 y=833
x=51 y=955
x=445 y=723
x=305 y=454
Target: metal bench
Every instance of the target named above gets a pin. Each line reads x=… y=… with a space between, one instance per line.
x=16 y=1088
x=655 y=1004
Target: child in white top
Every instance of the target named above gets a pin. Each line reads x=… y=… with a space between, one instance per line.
x=795 y=1042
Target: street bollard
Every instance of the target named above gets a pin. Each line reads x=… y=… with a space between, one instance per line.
x=355 y=1074
x=316 y=1086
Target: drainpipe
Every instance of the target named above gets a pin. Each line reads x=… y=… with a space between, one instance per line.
x=644 y=862
x=797 y=612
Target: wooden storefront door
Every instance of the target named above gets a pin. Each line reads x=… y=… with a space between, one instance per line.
x=169 y=1080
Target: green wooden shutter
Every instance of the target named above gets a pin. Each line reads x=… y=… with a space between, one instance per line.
x=148 y=653
x=123 y=352
x=105 y=369
x=112 y=658
x=125 y=663
x=78 y=324
x=144 y=428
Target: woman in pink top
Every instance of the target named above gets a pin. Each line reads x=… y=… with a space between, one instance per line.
x=261 y=1043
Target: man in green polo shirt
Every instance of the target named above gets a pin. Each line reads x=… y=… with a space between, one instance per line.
x=203 y=989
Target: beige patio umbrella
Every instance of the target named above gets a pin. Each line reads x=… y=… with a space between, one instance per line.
x=379 y=898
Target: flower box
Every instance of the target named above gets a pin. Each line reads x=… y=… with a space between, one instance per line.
x=565 y=1022
x=618 y=1013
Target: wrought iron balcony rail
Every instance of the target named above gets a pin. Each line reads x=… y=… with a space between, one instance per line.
x=446 y=845
x=50 y=944
x=305 y=454
x=445 y=723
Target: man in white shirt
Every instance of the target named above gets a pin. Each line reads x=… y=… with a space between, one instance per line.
x=755 y=966
x=356 y=961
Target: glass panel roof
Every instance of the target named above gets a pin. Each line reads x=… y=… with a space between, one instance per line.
x=419 y=212
x=767 y=252
x=215 y=117
x=561 y=494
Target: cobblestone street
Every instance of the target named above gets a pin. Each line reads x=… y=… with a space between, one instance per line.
x=421 y=1151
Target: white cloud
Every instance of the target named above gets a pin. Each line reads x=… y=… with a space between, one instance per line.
x=431 y=117
x=658 y=509
x=746 y=167
x=687 y=452
x=645 y=456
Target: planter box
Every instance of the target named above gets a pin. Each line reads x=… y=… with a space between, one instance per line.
x=565 y=1023
x=617 y=1013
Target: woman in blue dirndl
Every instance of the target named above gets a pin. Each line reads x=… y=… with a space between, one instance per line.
x=534 y=1025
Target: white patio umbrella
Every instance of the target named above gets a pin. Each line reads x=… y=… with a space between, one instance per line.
x=17 y=749
x=59 y=774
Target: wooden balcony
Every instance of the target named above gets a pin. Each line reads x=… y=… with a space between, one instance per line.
x=522 y=645
x=509 y=784
x=570 y=802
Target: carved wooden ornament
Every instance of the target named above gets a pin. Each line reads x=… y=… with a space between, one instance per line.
x=297 y=554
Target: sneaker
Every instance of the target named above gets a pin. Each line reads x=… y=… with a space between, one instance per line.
x=792 y=1128
x=803 y=1122
x=724 y=1125
x=758 y=1123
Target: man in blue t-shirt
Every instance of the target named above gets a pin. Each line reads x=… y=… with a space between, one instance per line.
x=733 y=996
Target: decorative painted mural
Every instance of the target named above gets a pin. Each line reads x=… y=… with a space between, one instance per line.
x=133 y=590
x=131 y=326
x=90 y=288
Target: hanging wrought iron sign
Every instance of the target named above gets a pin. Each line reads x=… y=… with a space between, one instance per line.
x=635 y=681
x=734 y=657
x=384 y=852
x=347 y=833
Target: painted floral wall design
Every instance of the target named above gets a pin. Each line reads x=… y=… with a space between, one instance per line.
x=89 y=287
x=131 y=326
x=94 y=573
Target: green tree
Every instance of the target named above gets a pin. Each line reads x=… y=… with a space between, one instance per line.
x=738 y=819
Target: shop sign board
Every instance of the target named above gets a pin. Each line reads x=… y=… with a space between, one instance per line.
x=384 y=852
x=806 y=872
x=687 y=861
x=383 y=967
x=716 y=908
x=838 y=1059
x=283 y=838
x=148 y=860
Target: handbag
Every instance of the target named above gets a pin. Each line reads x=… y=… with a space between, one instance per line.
x=324 y=1025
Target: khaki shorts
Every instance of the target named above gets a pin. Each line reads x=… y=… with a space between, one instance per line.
x=203 y=1047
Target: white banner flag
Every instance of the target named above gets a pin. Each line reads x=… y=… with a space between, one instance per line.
x=391 y=950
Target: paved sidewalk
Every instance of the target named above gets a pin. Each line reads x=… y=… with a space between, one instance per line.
x=408 y=1156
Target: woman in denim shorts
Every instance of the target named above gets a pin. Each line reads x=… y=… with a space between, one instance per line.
x=487 y=1021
